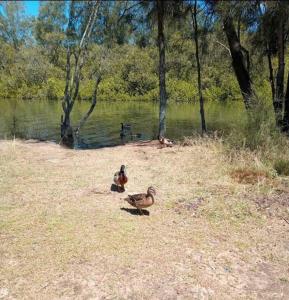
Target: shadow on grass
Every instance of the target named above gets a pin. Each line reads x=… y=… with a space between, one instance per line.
x=136 y=212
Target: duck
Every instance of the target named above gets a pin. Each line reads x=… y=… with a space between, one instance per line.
x=120 y=178
x=124 y=129
x=166 y=142
x=143 y=200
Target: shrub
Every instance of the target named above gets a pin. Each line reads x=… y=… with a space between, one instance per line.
x=282 y=167
x=54 y=88
x=179 y=90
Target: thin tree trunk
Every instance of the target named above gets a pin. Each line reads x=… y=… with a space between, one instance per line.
x=271 y=76
x=73 y=77
x=239 y=28
x=238 y=62
x=195 y=25
x=162 y=68
x=286 y=109
x=279 y=95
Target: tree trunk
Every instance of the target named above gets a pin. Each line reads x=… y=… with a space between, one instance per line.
x=201 y=100
x=238 y=62
x=271 y=76
x=73 y=76
x=162 y=68
x=279 y=94
x=239 y=28
x=286 y=109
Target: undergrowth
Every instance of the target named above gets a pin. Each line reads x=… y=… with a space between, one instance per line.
x=259 y=146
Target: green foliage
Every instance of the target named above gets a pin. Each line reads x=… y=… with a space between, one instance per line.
x=259 y=130
x=282 y=167
x=54 y=88
x=33 y=70
x=112 y=89
x=181 y=91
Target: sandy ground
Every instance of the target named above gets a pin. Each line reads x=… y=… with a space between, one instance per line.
x=64 y=234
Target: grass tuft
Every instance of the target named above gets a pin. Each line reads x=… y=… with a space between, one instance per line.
x=282 y=167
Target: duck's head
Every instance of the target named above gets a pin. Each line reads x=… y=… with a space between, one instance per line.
x=122 y=168
x=151 y=190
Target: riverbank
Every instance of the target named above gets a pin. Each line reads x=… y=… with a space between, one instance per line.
x=215 y=231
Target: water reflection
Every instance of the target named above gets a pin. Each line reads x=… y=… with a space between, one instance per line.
x=40 y=120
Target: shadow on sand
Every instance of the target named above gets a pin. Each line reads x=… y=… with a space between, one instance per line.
x=136 y=212
x=115 y=188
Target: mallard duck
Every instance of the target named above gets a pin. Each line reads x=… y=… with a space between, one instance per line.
x=120 y=177
x=165 y=142
x=142 y=200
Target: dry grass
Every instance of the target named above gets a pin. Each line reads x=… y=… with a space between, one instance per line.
x=249 y=176
x=64 y=235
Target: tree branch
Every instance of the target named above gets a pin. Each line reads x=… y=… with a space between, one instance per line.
x=93 y=103
x=228 y=49
x=126 y=10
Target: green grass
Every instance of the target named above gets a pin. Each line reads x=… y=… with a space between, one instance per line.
x=282 y=167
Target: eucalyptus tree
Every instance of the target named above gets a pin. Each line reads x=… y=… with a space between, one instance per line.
x=160 y=12
x=230 y=13
x=271 y=38
x=82 y=18
x=14 y=25
x=194 y=15
x=117 y=23
x=49 y=28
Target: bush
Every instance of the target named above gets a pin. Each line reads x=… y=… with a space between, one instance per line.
x=112 y=89
x=179 y=90
x=282 y=167
x=54 y=88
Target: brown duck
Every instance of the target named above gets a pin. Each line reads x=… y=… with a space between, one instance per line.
x=120 y=178
x=165 y=142
x=142 y=200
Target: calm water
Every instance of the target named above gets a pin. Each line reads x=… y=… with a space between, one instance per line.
x=41 y=120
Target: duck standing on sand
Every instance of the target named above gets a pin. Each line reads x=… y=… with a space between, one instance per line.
x=165 y=142
x=120 y=178
x=142 y=200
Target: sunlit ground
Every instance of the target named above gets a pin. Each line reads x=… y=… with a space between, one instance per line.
x=64 y=233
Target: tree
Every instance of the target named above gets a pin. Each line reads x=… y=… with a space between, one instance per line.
x=82 y=17
x=229 y=11
x=14 y=26
x=196 y=34
x=238 y=61
x=162 y=68
x=272 y=36
x=50 y=28
x=157 y=11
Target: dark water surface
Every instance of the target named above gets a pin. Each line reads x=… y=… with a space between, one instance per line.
x=40 y=119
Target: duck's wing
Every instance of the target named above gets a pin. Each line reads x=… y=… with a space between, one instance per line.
x=116 y=177
x=135 y=198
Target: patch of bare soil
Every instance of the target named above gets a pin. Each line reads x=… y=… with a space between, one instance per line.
x=190 y=206
x=66 y=234
x=247 y=176
x=274 y=205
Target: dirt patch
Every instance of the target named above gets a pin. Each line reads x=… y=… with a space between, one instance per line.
x=247 y=176
x=274 y=205
x=183 y=205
